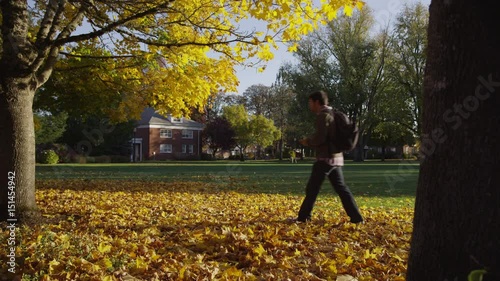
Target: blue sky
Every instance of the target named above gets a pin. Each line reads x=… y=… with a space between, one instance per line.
x=384 y=12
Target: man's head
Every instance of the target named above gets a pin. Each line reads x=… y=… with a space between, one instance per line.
x=317 y=100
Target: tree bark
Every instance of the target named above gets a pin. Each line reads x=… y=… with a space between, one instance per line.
x=18 y=83
x=457 y=211
x=17 y=149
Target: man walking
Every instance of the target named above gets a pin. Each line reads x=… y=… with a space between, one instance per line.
x=327 y=163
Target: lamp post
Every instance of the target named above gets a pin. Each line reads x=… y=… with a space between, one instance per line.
x=133 y=146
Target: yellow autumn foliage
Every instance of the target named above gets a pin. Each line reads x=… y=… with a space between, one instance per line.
x=173 y=55
x=121 y=230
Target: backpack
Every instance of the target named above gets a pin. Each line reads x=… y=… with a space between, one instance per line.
x=343 y=135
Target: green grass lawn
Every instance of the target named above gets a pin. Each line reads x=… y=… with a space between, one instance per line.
x=374 y=183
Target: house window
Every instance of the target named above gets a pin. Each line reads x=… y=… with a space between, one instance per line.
x=187 y=148
x=187 y=134
x=175 y=119
x=165 y=133
x=165 y=148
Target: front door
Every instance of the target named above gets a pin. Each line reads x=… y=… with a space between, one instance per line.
x=137 y=152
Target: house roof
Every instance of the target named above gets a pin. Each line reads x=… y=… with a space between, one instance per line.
x=150 y=117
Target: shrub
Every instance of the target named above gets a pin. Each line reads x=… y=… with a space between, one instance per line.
x=120 y=159
x=409 y=156
x=49 y=157
x=78 y=159
x=64 y=152
x=184 y=156
x=102 y=159
x=234 y=157
x=207 y=157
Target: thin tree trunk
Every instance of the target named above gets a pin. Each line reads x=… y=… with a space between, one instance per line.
x=358 y=153
x=281 y=147
x=456 y=224
x=242 y=158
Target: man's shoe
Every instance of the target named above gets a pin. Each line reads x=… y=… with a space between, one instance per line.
x=297 y=220
x=361 y=221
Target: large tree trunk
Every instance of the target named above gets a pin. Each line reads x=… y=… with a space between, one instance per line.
x=457 y=212
x=17 y=148
x=18 y=84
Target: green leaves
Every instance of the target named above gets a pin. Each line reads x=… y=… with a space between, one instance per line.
x=253 y=129
x=477 y=275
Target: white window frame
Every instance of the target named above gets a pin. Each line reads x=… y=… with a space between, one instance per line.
x=175 y=119
x=167 y=148
x=187 y=134
x=187 y=148
x=165 y=133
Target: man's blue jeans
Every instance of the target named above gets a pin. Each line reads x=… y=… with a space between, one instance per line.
x=320 y=170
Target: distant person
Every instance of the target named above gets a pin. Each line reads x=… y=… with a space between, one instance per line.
x=327 y=163
x=293 y=156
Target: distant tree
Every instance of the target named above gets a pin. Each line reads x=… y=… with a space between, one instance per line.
x=283 y=99
x=258 y=100
x=360 y=61
x=346 y=61
x=300 y=84
x=263 y=131
x=238 y=118
x=97 y=136
x=211 y=110
x=250 y=129
x=48 y=127
x=405 y=66
x=218 y=134
x=389 y=133
x=234 y=99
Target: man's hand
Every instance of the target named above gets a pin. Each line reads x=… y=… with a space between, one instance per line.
x=303 y=142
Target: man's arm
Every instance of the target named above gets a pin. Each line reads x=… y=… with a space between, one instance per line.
x=321 y=131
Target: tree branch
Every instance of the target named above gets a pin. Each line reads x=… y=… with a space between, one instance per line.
x=96 y=57
x=46 y=23
x=56 y=22
x=112 y=26
x=180 y=44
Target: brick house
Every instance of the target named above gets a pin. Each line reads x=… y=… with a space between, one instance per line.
x=158 y=137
